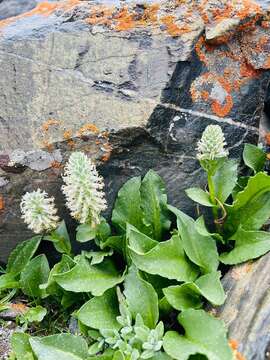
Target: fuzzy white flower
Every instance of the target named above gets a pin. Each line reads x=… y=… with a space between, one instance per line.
x=39 y=212
x=211 y=146
x=83 y=189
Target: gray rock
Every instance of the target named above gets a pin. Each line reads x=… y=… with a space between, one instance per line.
x=9 y=8
x=134 y=89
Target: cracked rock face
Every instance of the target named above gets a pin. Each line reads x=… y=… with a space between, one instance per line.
x=132 y=85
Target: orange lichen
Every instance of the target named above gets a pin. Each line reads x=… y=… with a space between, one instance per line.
x=48 y=123
x=88 y=128
x=67 y=134
x=47 y=145
x=56 y=164
x=172 y=28
x=2 y=203
x=234 y=346
x=44 y=9
x=267 y=139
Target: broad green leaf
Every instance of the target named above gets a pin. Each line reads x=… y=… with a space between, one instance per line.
x=35 y=314
x=60 y=238
x=202 y=229
x=165 y=258
x=51 y=287
x=160 y=355
x=141 y=298
x=199 y=196
x=118 y=355
x=204 y=335
x=100 y=312
x=188 y=295
x=127 y=208
x=62 y=346
x=154 y=205
x=21 y=347
x=254 y=157
x=22 y=254
x=85 y=233
x=84 y=277
x=240 y=185
x=251 y=207
x=103 y=230
x=34 y=274
x=225 y=180
x=200 y=249
x=248 y=245
x=8 y=281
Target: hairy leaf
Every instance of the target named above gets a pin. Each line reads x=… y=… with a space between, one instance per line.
x=204 y=335
x=165 y=258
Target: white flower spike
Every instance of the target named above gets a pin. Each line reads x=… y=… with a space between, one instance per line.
x=83 y=189
x=39 y=211
x=211 y=146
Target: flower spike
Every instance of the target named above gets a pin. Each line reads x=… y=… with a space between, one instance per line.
x=39 y=212
x=83 y=189
x=211 y=146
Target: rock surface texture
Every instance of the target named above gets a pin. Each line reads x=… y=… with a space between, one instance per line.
x=133 y=84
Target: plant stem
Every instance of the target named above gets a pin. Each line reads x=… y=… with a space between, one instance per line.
x=212 y=195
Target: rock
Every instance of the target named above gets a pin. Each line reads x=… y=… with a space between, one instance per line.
x=9 y=8
x=246 y=310
x=132 y=85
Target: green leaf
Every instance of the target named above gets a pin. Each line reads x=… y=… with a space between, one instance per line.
x=204 y=335
x=97 y=257
x=51 y=287
x=165 y=258
x=251 y=207
x=34 y=274
x=248 y=245
x=117 y=243
x=225 y=180
x=62 y=346
x=22 y=254
x=8 y=281
x=154 y=205
x=100 y=312
x=199 y=196
x=21 y=347
x=127 y=208
x=60 y=238
x=141 y=298
x=254 y=157
x=85 y=233
x=188 y=295
x=201 y=229
x=35 y=314
x=200 y=249
x=84 y=277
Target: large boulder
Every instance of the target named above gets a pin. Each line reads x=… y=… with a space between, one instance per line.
x=133 y=84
